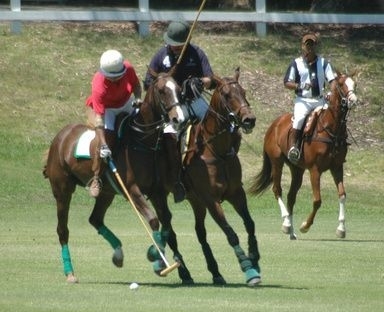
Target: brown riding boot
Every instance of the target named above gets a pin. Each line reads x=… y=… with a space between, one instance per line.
x=95 y=184
x=174 y=161
x=294 y=142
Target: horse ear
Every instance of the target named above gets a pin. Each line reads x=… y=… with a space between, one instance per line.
x=152 y=72
x=237 y=73
x=216 y=79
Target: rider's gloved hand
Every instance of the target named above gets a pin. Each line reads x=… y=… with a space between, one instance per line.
x=197 y=83
x=105 y=152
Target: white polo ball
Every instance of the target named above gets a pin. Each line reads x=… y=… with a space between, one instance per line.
x=133 y=286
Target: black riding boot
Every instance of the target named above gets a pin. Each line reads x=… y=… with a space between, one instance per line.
x=294 y=143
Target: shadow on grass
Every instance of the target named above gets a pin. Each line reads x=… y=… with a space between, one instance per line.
x=343 y=240
x=196 y=285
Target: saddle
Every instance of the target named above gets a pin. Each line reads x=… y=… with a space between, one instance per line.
x=311 y=121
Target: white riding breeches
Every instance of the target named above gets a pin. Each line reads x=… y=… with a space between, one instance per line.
x=111 y=113
x=303 y=106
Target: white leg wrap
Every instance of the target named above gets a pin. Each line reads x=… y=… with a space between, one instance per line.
x=283 y=209
x=342 y=208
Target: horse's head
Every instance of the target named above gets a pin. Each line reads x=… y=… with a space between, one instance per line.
x=229 y=98
x=164 y=94
x=345 y=86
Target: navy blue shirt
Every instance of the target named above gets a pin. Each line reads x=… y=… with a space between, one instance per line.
x=194 y=64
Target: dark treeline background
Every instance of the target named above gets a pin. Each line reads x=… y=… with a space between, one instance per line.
x=328 y=6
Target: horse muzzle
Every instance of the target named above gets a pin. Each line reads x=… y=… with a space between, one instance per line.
x=248 y=123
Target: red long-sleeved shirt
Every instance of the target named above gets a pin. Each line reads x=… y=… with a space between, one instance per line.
x=112 y=94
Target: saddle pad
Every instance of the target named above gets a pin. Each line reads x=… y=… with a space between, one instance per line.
x=184 y=140
x=82 y=146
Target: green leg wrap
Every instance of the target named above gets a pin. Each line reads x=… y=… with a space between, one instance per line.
x=157 y=236
x=152 y=253
x=244 y=261
x=109 y=236
x=246 y=264
x=158 y=266
x=66 y=260
x=164 y=236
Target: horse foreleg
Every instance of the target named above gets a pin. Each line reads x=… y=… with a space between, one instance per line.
x=239 y=202
x=286 y=215
x=287 y=226
x=96 y=219
x=252 y=276
x=200 y=213
x=168 y=235
x=337 y=175
x=341 y=230
x=315 y=182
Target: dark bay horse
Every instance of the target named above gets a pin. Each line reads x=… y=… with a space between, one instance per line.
x=65 y=171
x=324 y=148
x=213 y=174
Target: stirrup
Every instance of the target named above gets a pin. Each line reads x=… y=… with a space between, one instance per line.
x=294 y=154
x=94 y=186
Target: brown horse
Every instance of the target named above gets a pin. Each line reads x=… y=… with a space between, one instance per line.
x=213 y=174
x=324 y=147
x=65 y=171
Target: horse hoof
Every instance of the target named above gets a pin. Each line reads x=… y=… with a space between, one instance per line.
x=71 y=279
x=118 y=257
x=286 y=229
x=252 y=277
x=293 y=236
x=304 y=228
x=219 y=280
x=340 y=234
x=187 y=282
x=254 y=281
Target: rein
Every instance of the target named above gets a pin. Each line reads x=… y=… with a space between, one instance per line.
x=339 y=136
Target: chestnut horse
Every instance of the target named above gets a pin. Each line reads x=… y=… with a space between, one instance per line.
x=213 y=174
x=324 y=147
x=65 y=171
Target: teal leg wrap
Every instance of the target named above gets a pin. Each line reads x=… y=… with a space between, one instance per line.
x=153 y=253
x=164 y=236
x=158 y=266
x=158 y=237
x=244 y=261
x=66 y=260
x=246 y=264
x=109 y=236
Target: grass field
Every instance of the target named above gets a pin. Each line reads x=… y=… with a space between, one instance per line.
x=46 y=75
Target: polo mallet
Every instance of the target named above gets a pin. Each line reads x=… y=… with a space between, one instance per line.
x=169 y=268
x=190 y=33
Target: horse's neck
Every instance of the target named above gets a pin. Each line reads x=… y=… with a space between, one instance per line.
x=333 y=116
x=216 y=138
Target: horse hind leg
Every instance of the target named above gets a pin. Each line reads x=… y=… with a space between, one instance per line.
x=63 y=198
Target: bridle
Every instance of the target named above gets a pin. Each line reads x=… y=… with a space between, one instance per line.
x=233 y=117
x=347 y=101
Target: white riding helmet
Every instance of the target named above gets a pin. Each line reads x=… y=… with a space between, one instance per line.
x=112 y=64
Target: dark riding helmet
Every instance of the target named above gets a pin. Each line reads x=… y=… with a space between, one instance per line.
x=309 y=43
x=177 y=33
